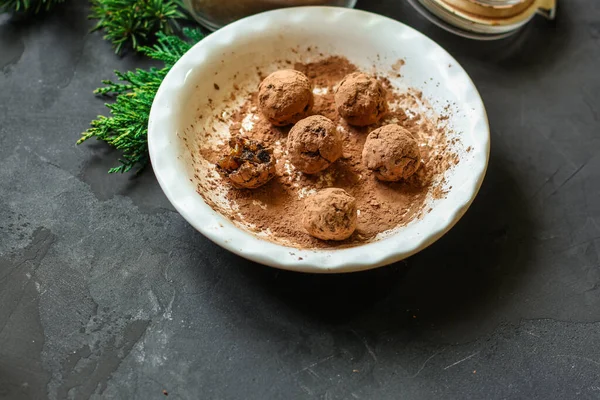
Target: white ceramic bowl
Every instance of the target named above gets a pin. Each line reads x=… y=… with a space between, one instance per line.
x=230 y=55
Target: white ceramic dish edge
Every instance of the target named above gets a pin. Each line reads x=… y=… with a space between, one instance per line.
x=182 y=194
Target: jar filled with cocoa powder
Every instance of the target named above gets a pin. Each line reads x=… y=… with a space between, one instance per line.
x=213 y=14
x=484 y=19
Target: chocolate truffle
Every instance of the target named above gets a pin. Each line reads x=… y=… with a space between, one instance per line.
x=330 y=214
x=285 y=97
x=360 y=99
x=391 y=153
x=313 y=144
x=248 y=165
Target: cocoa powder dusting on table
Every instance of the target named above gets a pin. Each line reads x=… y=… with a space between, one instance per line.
x=277 y=206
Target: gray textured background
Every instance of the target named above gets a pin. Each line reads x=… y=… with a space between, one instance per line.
x=106 y=292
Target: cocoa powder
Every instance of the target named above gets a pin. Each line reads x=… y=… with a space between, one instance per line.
x=276 y=208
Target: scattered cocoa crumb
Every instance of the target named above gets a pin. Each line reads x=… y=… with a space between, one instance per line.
x=277 y=206
x=398 y=65
x=216 y=86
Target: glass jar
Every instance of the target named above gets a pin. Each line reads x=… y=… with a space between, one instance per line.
x=213 y=14
x=483 y=19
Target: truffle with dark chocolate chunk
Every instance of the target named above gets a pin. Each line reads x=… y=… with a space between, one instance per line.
x=248 y=165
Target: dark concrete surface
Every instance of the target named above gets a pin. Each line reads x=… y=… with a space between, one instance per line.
x=107 y=293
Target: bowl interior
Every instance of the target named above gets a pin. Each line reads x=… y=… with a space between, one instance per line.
x=224 y=65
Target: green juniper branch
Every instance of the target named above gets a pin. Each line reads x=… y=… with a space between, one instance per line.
x=127 y=127
x=134 y=22
x=34 y=6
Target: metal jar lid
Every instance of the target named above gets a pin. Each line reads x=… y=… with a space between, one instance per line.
x=483 y=19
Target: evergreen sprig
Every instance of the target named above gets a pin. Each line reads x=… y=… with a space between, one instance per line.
x=26 y=6
x=134 y=22
x=127 y=127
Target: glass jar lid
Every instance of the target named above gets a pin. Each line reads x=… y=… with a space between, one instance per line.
x=483 y=19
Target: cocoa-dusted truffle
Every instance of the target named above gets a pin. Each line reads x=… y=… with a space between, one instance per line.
x=313 y=144
x=330 y=214
x=285 y=97
x=248 y=165
x=360 y=99
x=391 y=153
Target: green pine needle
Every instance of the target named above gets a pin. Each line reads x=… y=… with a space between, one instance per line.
x=133 y=22
x=27 y=6
x=127 y=127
